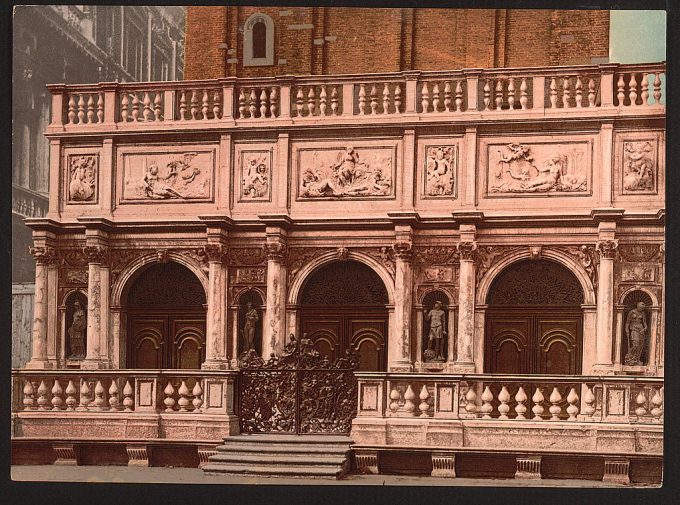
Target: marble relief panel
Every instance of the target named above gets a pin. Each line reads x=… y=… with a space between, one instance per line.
x=172 y=175
x=254 y=169
x=82 y=178
x=538 y=168
x=639 y=163
x=440 y=171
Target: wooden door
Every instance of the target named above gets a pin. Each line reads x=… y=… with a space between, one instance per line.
x=334 y=329
x=526 y=340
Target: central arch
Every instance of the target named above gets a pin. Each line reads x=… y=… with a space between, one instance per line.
x=343 y=305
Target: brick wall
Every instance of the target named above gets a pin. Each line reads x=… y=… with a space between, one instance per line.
x=327 y=40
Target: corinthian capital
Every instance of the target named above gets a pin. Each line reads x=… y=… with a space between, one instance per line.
x=96 y=253
x=43 y=255
x=403 y=250
x=215 y=252
x=467 y=250
x=607 y=248
x=276 y=250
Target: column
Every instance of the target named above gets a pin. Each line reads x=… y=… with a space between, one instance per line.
x=274 y=324
x=605 y=304
x=466 y=307
x=400 y=358
x=216 y=320
x=97 y=303
x=44 y=256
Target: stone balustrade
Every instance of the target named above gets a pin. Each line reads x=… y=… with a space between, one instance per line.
x=512 y=398
x=590 y=90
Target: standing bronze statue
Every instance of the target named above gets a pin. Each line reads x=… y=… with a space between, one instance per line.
x=435 y=339
x=76 y=331
x=636 y=333
x=249 y=327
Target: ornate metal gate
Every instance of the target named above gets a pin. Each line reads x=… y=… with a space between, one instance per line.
x=299 y=393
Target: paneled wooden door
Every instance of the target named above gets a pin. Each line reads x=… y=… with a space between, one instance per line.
x=166 y=339
x=525 y=340
x=334 y=329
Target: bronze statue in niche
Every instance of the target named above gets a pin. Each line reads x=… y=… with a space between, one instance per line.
x=636 y=335
x=434 y=327
x=250 y=323
x=76 y=329
x=248 y=332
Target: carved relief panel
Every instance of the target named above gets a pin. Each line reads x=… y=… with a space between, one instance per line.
x=638 y=264
x=170 y=174
x=537 y=167
x=81 y=178
x=254 y=173
x=440 y=171
x=639 y=163
x=346 y=172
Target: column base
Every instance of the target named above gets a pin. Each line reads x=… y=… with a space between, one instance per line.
x=40 y=364
x=215 y=364
x=93 y=364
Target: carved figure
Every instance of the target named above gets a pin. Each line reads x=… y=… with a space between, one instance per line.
x=248 y=331
x=76 y=331
x=435 y=338
x=638 y=172
x=439 y=171
x=636 y=333
x=156 y=187
x=346 y=167
x=82 y=184
x=168 y=176
x=256 y=178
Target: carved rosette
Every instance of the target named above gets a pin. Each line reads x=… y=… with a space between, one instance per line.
x=43 y=255
x=276 y=251
x=467 y=251
x=96 y=254
x=607 y=248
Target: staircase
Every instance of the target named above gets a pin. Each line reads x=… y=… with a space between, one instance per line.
x=282 y=455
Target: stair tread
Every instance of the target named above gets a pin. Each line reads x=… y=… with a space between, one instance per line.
x=306 y=449
x=266 y=458
x=272 y=470
x=296 y=439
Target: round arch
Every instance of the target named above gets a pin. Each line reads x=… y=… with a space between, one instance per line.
x=644 y=289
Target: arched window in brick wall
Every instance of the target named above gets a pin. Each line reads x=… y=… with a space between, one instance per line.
x=258 y=41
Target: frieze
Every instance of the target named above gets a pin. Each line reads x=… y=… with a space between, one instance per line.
x=639 y=252
x=435 y=255
x=255 y=169
x=538 y=168
x=82 y=176
x=440 y=171
x=247 y=256
x=366 y=172
x=639 y=167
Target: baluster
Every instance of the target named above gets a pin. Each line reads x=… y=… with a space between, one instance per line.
x=263 y=103
x=589 y=400
x=435 y=97
x=409 y=396
x=553 y=93
x=183 y=105
x=397 y=99
x=299 y=102
x=487 y=95
x=362 y=99
x=425 y=98
x=183 y=397
x=511 y=93
x=84 y=395
x=71 y=400
x=147 y=107
x=386 y=99
x=28 y=401
x=521 y=399
x=657 y=401
x=135 y=107
x=620 y=85
x=169 y=401
x=579 y=91
x=424 y=397
x=447 y=96
x=124 y=104
x=252 y=107
x=471 y=401
x=487 y=408
x=555 y=409
x=566 y=93
x=194 y=104
x=657 y=87
x=158 y=105
x=241 y=104
x=99 y=401
x=538 y=409
x=57 y=391
x=459 y=96
x=334 y=100
x=81 y=109
x=71 y=110
x=499 y=94
x=274 y=102
x=128 y=400
x=198 y=396
x=645 y=89
x=42 y=396
x=216 y=107
x=114 y=401
x=374 y=99
x=503 y=408
x=523 y=95
x=395 y=396
x=90 y=108
x=311 y=100
x=591 y=92
x=640 y=400
x=572 y=409
x=100 y=108
x=205 y=104
x=323 y=96
x=632 y=89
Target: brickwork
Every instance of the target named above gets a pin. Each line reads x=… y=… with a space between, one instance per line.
x=328 y=40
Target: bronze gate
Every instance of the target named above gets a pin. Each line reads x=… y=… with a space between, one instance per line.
x=301 y=392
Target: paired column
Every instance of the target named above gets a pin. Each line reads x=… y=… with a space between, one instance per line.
x=98 y=301
x=216 y=321
x=274 y=327
x=44 y=258
x=605 y=304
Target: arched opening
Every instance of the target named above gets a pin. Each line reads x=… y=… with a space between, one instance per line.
x=534 y=320
x=166 y=316
x=260 y=40
x=342 y=305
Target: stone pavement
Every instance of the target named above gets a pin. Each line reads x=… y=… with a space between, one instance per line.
x=56 y=473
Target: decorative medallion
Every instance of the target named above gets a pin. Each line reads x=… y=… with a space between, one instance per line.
x=255 y=170
x=82 y=178
x=440 y=170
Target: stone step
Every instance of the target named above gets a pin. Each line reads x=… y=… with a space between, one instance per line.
x=284 y=448
x=297 y=471
x=294 y=439
x=266 y=458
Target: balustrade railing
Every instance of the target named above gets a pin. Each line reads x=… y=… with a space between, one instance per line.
x=619 y=89
x=512 y=398
x=162 y=391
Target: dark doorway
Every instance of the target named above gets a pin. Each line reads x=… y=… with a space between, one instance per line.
x=534 y=322
x=343 y=304
x=166 y=319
